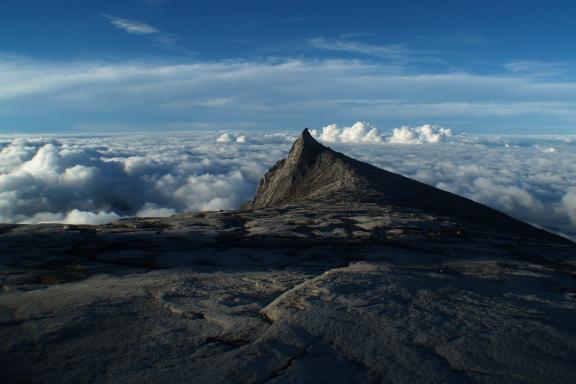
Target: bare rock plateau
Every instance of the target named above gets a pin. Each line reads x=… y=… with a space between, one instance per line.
x=336 y=272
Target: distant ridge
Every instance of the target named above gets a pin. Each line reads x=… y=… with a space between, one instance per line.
x=313 y=172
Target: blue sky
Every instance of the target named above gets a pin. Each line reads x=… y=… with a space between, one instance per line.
x=91 y=66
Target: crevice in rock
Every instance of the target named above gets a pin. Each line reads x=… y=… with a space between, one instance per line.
x=235 y=343
x=265 y=312
x=289 y=363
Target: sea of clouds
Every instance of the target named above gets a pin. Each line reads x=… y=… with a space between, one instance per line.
x=100 y=178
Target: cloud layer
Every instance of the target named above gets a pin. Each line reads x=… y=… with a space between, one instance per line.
x=95 y=179
x=268 y=94
x=99 y=179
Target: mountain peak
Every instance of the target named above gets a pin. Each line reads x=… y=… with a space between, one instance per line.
x=305 y=148
x=313 y=173
x=309 y=169
x=307 y=137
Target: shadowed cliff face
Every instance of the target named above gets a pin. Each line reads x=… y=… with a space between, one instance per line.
x=310 y=170
x=315 y=173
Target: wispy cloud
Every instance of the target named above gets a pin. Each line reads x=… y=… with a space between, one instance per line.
x=270 y=93
x=132 y=27
x=550 y=69
x=188 y=103
x=393 y=51
x=167 y=39
x=139 y=28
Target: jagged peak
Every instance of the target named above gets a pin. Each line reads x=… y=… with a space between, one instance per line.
x=307 y=139
x=305 y=146
x=309 y=166
x=313 y=172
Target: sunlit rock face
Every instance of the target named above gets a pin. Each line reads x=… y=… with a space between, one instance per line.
x=337 y=271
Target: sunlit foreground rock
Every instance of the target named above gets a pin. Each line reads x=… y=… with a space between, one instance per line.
x=336 y=272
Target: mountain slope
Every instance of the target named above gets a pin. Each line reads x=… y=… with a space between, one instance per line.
x=313 y=172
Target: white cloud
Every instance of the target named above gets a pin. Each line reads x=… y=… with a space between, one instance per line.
x=546 y=149
x=133 y=27
x=140 y=28
x=76 y=216
x=224 y=138
x=268 y=93
x=392 y=51
x=541 y=68
x=191 y=103
x=426 y=133
x=360 y=132
x=363 y=132
x=217 y=102
x=167 y=39
x=98 y=179
x=153 y=210
x=227 y=137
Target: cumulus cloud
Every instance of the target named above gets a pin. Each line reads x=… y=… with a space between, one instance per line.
x=76 y=216
x=95 y=179
x=418 y=135
x=224 y=138
x=360 y=132
x=365 y=133
x=546 y=149
x=231 y=137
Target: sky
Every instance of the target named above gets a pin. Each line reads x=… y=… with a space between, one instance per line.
x=488 y=66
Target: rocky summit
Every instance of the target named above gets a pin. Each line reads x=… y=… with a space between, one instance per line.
x=336 y=272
